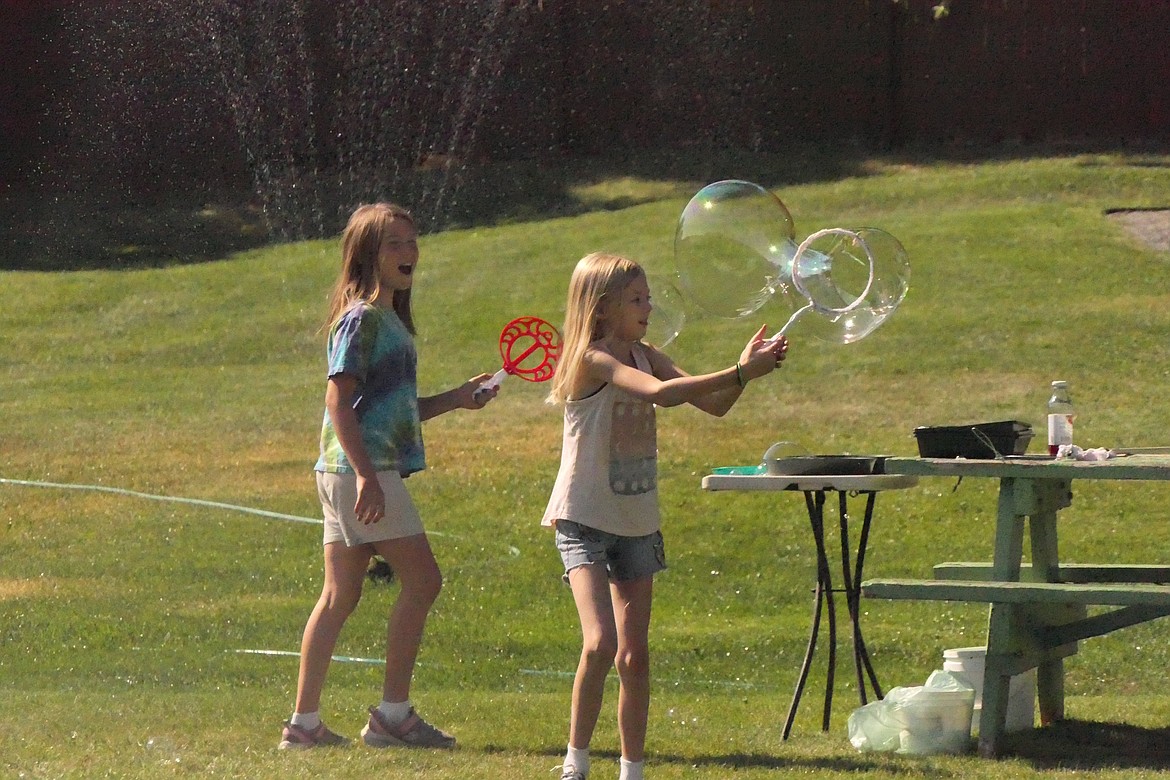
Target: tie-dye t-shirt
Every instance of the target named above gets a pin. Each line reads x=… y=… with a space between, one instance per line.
x=373 y=346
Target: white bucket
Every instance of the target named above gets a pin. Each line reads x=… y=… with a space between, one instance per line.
x=1021 y=710
x=935 y=722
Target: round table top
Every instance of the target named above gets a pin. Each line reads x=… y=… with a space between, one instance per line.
x=839 y=482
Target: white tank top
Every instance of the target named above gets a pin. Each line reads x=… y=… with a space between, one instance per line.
x=608 y=478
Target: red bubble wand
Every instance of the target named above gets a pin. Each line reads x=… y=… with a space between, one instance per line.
x=529 y=347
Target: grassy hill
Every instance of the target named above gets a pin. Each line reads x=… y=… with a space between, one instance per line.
x=152 y=638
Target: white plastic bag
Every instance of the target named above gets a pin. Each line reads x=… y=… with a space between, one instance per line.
x=920 y=720
x=872 y=727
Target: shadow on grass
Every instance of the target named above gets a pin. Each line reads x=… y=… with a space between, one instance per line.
x=872 y=762
x=91 y=228
x=859 y=764
x=1068 y=745
x=87 y=229
x=1085 y=745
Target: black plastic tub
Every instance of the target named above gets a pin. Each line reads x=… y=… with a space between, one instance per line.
x=977 y=440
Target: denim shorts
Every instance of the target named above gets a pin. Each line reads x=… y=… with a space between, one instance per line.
x=624 y=557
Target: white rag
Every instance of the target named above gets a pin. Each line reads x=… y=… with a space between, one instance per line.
x=1073 y=452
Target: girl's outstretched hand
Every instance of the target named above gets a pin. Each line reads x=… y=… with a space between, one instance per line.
x=761 y=356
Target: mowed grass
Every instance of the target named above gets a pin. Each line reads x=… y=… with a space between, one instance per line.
x=154 y=638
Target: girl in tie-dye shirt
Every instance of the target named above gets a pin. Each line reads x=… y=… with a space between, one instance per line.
x=371 y=440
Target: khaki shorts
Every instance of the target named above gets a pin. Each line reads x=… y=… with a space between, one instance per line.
x=338 y=493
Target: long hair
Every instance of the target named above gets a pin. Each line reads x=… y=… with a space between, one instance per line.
x=597 y=279
x=360 y=278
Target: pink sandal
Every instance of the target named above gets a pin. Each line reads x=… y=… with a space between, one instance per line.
x=298 y=738
x=412 y=732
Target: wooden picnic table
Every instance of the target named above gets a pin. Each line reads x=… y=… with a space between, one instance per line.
x=1038 y=612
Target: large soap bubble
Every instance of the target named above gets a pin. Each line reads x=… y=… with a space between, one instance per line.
x=891 y=267
x=735 y=254
x=668 y=312
x=732 y=248
x=854 y=279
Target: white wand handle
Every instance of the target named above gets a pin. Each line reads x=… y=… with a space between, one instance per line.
x=491 y=384
x=795 y=316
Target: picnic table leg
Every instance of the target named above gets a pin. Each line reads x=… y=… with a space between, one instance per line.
x=1009 y=548
x=1052 y=495
x=996 y=682
x=1050 y=690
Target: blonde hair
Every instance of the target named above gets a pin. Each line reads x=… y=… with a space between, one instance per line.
x=360 y=278
x=598 y=277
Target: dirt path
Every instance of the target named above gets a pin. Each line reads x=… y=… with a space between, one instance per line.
x=1151 y=227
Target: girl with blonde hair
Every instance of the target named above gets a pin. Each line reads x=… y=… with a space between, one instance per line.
x=604 y=504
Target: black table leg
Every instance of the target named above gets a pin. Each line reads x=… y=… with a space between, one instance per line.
x=824 y=605
x=852 y=586
x=822 y=597
x=806 y=664
x=858 y=639
x=847 y=585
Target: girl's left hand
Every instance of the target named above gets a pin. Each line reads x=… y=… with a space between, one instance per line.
x=780 y=350
x=762 y=356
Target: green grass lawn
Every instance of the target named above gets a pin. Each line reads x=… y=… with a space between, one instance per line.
x=145 y=638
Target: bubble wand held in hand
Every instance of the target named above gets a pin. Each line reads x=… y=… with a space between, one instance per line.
x=529 y=347
x=829 y=300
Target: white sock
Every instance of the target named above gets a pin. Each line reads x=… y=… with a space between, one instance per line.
x=578 y=758
x=394 y=712
x=631 y=770
x=309 y=721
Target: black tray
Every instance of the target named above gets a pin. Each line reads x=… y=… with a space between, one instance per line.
x=826 y=465
x=1005 y=437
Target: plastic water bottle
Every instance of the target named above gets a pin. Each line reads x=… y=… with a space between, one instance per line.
x=1060 y=417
